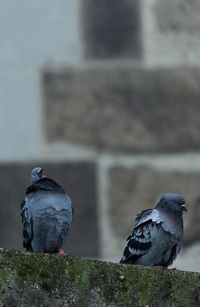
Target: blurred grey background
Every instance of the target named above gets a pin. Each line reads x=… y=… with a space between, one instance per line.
x=105 y=96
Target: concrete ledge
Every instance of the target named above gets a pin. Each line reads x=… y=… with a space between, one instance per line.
x=51 y=280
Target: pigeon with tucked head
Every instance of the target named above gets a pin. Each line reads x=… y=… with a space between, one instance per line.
x=46 y=214
x=157 y=236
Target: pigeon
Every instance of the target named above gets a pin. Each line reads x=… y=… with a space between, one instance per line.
x=157 y=236
x=46 y=214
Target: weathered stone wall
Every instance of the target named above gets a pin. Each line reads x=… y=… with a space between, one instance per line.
x=124 y=110
x=109 y=106
x=49 y=280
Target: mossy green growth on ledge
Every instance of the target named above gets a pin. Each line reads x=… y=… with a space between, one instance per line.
x=52 y=280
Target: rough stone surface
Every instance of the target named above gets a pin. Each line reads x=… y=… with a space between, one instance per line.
x=134 y=189
x=78 y=179
x=178 y=15
x=49 y=280
x=171 y=32
x=124 y=110
x=111 y=29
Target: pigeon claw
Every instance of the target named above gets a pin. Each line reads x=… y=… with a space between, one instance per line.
x=62 y=253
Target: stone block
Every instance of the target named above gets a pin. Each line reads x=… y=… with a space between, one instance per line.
x=171 y=31
x=178 y=15
x=111 y=29
x=124 y=110
x=78 y=179
x=135 y=189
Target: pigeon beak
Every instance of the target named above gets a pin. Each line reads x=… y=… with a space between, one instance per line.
x=184 y=208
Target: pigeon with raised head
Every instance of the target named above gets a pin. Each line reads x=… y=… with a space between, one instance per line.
x=157 y=236
x=46 y=214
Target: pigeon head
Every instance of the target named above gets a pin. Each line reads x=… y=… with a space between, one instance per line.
x=172 y=202
x=36 y=174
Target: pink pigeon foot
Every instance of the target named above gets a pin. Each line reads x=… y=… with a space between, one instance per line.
x=61 y=252
x=158 y=266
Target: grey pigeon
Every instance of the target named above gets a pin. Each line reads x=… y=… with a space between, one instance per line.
x=157 y=236
x=46 y=214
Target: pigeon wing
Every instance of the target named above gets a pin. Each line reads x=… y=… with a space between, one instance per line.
x=27 y=225
x=139 y=242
